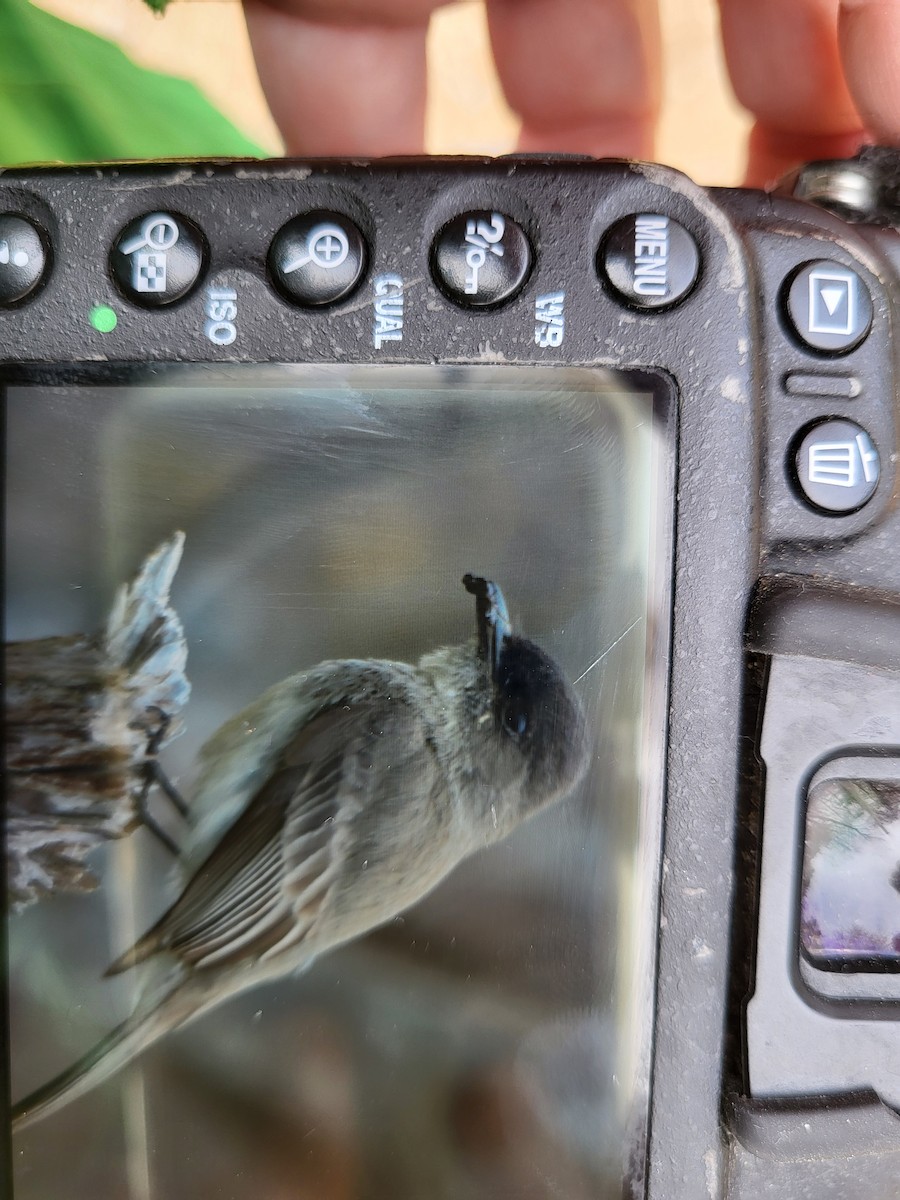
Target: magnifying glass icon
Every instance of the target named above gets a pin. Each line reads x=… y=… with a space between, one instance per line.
x=158 y=232
x=327 y=246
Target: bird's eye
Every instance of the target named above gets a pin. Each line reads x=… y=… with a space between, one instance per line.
x=515 y=719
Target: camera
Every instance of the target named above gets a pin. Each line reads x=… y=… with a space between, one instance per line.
x=262 y=419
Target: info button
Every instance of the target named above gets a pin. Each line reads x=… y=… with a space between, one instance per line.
x=649 y=260
x=837 y=466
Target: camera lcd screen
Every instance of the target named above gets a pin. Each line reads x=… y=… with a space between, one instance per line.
x=414 y=954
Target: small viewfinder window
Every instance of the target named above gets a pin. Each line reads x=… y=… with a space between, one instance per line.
x=850 y=904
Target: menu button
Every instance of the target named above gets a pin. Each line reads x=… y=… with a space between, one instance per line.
x=649 y=260
x=651 y=256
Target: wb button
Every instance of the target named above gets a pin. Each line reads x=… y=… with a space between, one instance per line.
x=829 y=307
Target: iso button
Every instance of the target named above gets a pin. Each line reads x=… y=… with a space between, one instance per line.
x=23 y=259
x=649 y=260
x=157 y=259
x=317 y=259
x=481 y=259
x=829 y=307
x=837 y=466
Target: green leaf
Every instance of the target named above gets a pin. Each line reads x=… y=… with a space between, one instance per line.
x=67 y=95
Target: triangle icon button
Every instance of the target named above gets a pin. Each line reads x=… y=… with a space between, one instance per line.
x=831 y=298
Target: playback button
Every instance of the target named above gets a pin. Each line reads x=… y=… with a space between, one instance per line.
x=23 y=259
x=829 y=307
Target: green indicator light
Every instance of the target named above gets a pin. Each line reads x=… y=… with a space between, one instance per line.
x=103 y=318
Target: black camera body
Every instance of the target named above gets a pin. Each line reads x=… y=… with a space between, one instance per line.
x=766 y=329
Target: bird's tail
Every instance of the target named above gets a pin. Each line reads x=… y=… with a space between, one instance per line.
x=170 y=1005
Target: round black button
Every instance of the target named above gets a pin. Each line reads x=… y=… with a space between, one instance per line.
x=829 y=307
x=481 y=259
x=317 y=259
x=837 y=466
x=157 y=259
x=649 y=260
x=23 y=259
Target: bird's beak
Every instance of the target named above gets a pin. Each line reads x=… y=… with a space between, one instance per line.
x=493 y=619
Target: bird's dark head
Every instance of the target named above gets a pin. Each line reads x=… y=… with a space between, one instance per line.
x=537 y=720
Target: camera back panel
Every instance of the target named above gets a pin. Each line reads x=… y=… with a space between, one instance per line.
x=766 y=330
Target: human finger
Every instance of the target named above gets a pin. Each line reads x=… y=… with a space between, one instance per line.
x=869 y=33
x=785 y=67
x=583 y=75
x=343 y=77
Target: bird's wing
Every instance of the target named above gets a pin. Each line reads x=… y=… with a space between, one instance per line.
x=270 y=873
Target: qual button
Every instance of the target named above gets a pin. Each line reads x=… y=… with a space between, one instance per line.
x=649 y=260
x=317 y=259
x=829 y=307
x=837 y=466
x=157 y=259
x=481 y=259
